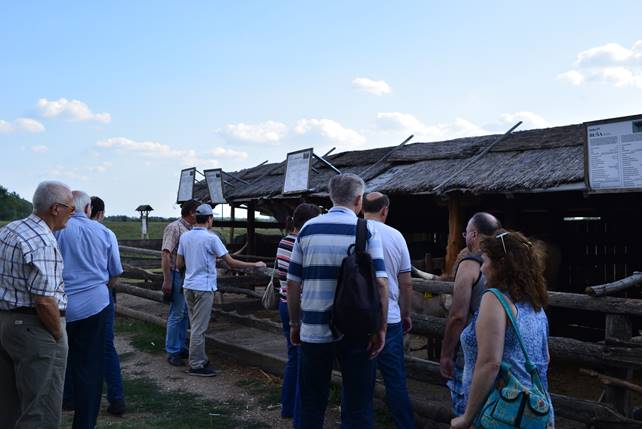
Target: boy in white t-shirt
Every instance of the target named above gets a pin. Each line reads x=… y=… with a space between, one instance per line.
x=197 y=253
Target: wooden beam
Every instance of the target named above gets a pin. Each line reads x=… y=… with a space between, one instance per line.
x=455 y=220
x=619 y=327
x=232 y=218
x=607 y=380
x=251 y=232
x=606 y=305
x=617 y=286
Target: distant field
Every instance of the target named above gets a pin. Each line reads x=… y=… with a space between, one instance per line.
x=131 y=230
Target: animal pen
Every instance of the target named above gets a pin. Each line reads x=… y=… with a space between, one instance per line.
x=552 y=184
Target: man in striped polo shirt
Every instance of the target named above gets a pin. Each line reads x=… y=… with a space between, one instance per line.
x=316 y=259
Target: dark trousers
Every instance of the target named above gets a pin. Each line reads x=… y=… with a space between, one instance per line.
x=290 y=394
x=358 y=374
x=86 y=366
x=113 y=378
x=392 y=367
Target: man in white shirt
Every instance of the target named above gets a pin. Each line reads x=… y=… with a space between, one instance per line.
x=397 y=260
x=197 y=253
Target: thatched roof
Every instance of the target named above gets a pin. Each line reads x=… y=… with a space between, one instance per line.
x=526 y=161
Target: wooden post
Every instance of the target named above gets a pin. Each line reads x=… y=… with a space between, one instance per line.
x=454 y=233
x=619 y=327
x=232 y=227
x=251 y=237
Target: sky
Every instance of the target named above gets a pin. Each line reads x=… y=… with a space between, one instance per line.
x=115 y=98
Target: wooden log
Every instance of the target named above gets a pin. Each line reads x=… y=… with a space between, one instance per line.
x=130 y=289
x=134 y=272
x=606 y=305
x=455 y=220
x=617 y=286
x=232 y=217
x=144 y=263
x=608 y=380
x=562 y=349
x=619 y=327
x=139 y=251
x=251 y=231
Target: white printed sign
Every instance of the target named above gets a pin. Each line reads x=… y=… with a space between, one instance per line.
x=186 y=185
x=297 y=171
x=214 y=179
x=615 y=155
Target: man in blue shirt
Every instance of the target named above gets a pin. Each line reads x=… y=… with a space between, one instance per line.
x=316 y=259
x=92 y=264
x=197 y=253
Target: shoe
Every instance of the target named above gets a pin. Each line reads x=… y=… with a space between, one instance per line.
x=68 y=405
x=116 y=408
x=202 y=372
x=176 y=361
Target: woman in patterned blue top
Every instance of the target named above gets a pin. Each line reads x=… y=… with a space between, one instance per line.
x=510 y=264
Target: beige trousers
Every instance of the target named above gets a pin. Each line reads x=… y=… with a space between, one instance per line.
x=199 y=308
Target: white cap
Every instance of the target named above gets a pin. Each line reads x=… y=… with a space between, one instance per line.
x=204 y=210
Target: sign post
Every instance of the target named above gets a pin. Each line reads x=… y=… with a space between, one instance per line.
x=186 y=185
x=214 y=180
x=297 y=171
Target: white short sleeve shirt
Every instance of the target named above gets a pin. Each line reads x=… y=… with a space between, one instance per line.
x=200 y=248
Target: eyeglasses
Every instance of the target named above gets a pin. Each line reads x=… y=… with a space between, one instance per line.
x=71 y=208
x=501 y=236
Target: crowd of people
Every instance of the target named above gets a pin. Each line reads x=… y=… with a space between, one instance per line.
x=58 y=267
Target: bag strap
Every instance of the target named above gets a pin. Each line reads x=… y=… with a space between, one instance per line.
x=500 y=296
x=360 y=241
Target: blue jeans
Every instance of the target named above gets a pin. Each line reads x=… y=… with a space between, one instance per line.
x=85 y=367
x=112 y=362
x=358 y=373
x=290 y=394
x=392 y=367
x=177 y=319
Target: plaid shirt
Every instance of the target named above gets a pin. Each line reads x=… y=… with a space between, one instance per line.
x=30 y=264
x=171 y=236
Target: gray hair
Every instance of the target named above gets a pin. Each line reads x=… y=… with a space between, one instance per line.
x=344 y=188
x=49 y=193
x=81 y=200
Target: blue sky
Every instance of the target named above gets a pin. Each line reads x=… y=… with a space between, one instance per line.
x=115 y=98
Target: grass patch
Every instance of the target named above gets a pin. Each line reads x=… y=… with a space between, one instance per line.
x=145 y=337
x=149 y=406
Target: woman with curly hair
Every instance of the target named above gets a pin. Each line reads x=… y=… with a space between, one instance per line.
x=513 y=266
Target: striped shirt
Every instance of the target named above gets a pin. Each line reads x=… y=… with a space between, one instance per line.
x=30 y=264
x=315 y=262
x=283 y=254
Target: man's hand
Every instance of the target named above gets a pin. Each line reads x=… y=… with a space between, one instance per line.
x=295 y=335
x=446 y=367
x=406 y=324
x=376 y=343
x=259 y=264
x=167 y=287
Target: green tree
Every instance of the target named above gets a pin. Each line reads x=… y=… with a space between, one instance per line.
x=12 y=206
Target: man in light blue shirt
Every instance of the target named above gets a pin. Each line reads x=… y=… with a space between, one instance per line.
x=197 y=253
x=92 y=264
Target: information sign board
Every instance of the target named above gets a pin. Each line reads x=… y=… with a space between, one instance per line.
x=186 y=185
x=214 y=180
x=297 y=171
x=613 y=155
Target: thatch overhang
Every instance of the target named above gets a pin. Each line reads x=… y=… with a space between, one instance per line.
x=537 y=160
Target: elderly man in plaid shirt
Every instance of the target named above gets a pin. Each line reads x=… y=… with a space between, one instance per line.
x=33 y=342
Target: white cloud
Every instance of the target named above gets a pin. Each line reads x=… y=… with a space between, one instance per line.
x=29 y=125
x=572 y=76
x=100 y=168
x=610 y=64
x=222 y=152
x=375 y=87
x=5 y=127
x=187 y=157
x=61 y=172
x=529 y=119
x=330 y=130
x=40 y=149
x=409 y=124
x=264 y=132
x=21 y=124
x=74 y=110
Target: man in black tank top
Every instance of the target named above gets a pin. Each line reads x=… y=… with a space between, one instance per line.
x=467 y=292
